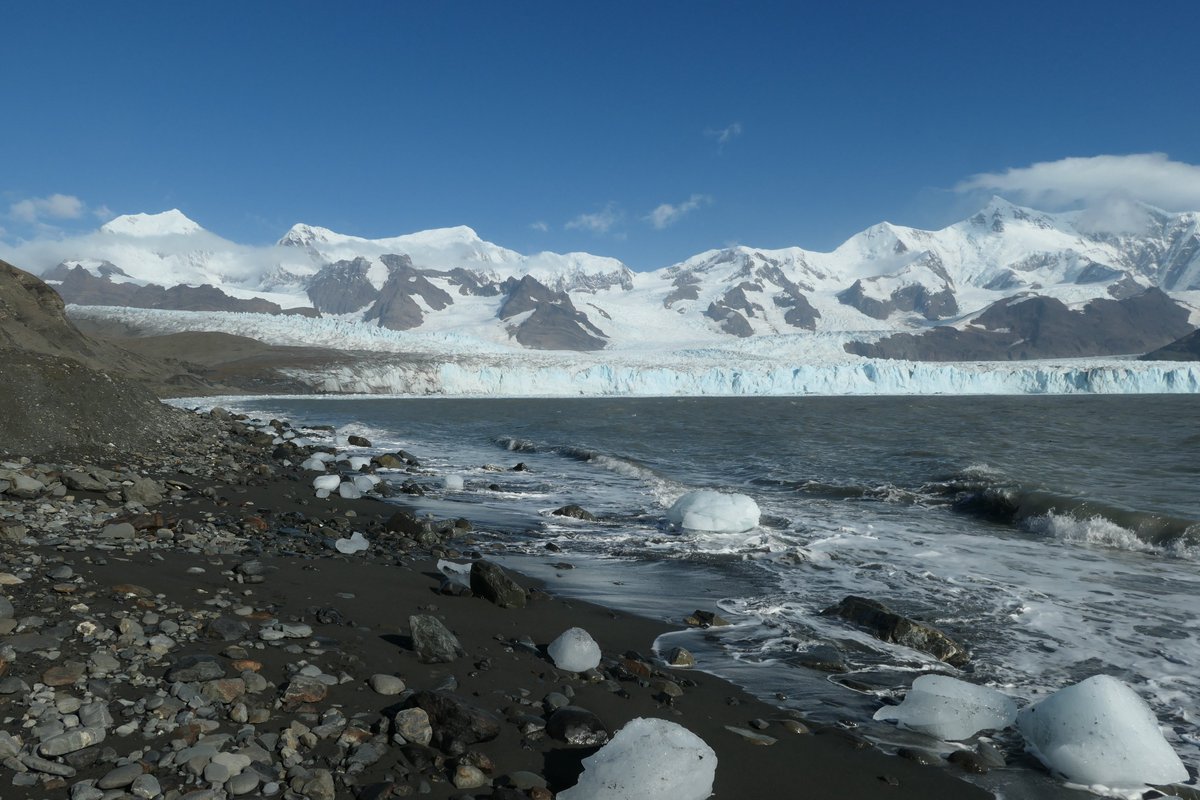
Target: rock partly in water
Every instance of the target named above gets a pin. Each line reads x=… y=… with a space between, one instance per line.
x=888 y=626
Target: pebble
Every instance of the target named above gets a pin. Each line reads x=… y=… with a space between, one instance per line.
x=386 y=684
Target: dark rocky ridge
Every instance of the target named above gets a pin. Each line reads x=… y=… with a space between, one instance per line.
x=78 y=286
x=555 y=324
x=1185 y=349
x=1032 y=326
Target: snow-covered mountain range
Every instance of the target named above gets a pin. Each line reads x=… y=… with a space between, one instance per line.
x=1008 y=283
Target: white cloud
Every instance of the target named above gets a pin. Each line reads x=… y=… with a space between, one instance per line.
x=1095 y=181
x=599 y=222
x=540 y=226
x=56 y=206
x=726 y=134
x=668 y=214
x=103 y=213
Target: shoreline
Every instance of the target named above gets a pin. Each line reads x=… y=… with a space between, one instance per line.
x=261 y=541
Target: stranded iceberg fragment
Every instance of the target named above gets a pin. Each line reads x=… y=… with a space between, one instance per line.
x=648 y=759
x=1099 y=732
x=950 y=709
x=575 y=651
x=717 y=512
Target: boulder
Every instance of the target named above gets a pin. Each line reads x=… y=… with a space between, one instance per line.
x=432 y=641
x=456 y=724
x=888 y=626
x=574 y=512
x=491 y=582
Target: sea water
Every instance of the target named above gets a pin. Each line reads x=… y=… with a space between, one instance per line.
x=1057 y=537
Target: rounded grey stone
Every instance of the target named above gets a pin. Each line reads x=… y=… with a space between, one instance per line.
x=120 y=777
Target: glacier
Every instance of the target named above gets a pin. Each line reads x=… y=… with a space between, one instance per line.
x=519 y=378
x=378 y=361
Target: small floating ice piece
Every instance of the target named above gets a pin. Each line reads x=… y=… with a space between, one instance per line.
x=950 y=709
x=575 y=651
x=349 y=491
x=454 y=483
x=1100 y=733
x=356 y=543
x=648 y=759
x=717 y=512
x=327 y=482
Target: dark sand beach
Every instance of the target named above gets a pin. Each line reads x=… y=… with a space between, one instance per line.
x=221 y=615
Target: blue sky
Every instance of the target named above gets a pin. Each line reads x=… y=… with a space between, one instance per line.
x=645 y=131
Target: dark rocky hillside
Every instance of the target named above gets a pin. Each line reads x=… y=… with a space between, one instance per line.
x=1028 y=327
x=1185 y=349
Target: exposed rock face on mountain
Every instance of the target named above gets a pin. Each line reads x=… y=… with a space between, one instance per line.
x=554 y=324
x=397 y=307
x=343 y=287
x=79 y=286
x=1185 y=349
x=1041 y=327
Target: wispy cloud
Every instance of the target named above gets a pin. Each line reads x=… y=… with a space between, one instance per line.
x=668 y=214
x=600 y=221
x=724 y=135
x=540 y=226
x=1150 y=177
x=56 y=206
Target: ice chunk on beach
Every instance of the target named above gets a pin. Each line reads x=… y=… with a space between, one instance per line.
x=950 y=709
x=648 y=759
x=455 y=572
x=313 y=464
x=365 y=483
x=718 y=512
x=453 y=483
x=1100 y=733
x=575 y=651
x=349 y=491
x=356 y=543
x=358 y=462
x=327 y=482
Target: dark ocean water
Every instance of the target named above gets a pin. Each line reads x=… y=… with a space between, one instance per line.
x=1057 y=536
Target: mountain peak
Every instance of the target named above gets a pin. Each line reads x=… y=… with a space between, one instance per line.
x=169 y=223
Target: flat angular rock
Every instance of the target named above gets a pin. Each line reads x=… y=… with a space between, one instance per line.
x=63 y=674
x=71 y=741
x=433 y=642
x=491 y=582
x=888 y=626
x=303 y=689
x=83 y=482
x=200 y=667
